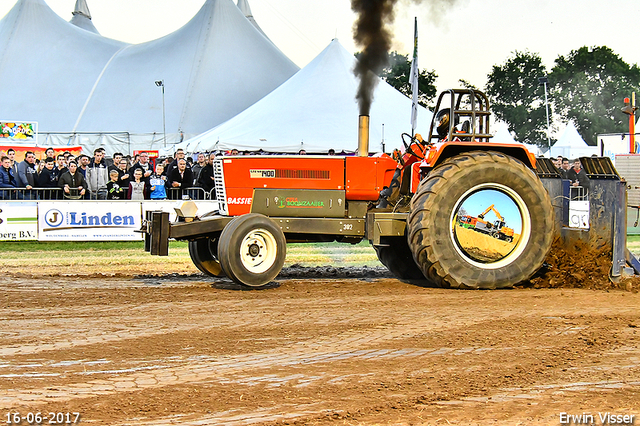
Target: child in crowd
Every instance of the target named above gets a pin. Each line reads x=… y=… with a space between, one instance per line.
x=138 y=188
x=114 y=190
x=157 y=182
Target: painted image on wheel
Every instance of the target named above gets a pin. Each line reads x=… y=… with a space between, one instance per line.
x=487 y=225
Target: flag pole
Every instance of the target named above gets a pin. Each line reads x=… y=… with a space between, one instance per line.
x=414 y=80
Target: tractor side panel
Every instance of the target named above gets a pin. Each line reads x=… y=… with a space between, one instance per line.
x=244 y=174
x=367 y=176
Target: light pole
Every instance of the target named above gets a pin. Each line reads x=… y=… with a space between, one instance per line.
x=160 y=83
x=544 y=81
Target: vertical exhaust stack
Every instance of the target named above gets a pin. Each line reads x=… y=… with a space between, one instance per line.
x=363 y=136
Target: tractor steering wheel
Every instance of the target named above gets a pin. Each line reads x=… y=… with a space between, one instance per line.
x=407 y=145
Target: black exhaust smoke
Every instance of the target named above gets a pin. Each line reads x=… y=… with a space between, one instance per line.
x=371 y=32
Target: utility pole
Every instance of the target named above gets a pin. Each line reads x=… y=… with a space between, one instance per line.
x=544 y=80
x=160 y=83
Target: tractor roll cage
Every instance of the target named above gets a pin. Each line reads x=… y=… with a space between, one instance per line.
x=466 y=105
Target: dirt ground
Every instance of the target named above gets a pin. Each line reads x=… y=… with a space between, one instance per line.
x=337 y=347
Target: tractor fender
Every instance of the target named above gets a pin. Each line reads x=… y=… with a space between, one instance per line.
x=438 y=154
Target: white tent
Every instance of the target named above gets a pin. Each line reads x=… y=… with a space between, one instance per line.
x=612 y=144
x=97 y=91
x=315 y=110
x=571 y=145
x=504 y=136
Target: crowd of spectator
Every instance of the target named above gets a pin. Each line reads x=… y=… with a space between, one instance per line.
x=65 y=176
x=575 y=174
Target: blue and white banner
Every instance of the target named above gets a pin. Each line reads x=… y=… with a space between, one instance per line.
x=77 y=221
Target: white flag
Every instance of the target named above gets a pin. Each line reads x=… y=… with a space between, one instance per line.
x=414 y=81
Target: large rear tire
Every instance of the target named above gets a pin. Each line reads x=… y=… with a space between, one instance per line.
x=436 y=241
x=252 y=250
x=398 y=259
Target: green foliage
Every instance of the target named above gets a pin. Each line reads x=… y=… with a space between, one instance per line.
x=589 y=86
x=518 y=98
x=398 y=74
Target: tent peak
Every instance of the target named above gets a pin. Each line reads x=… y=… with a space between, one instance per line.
x=82 y=17
x=243 y=5
x=81 y=9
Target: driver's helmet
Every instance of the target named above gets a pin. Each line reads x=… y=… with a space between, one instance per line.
x=442 y=122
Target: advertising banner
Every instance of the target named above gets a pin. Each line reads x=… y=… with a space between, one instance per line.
x=19 y=131
x=579 y=214
x=18 y=221
x=39 y=151
x=100 y=221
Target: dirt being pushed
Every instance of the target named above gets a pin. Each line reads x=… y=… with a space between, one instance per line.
x=580 y=266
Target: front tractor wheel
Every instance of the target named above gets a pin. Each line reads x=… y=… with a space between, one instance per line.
x=464 y=189
x=252 y=250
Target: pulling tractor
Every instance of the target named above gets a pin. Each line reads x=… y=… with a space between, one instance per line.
x=406 y=208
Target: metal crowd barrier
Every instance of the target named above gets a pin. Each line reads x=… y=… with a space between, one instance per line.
x=578 y=193
x=31 y=194
x=193 y=193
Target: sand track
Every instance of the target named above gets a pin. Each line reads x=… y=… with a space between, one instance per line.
x=363 y=350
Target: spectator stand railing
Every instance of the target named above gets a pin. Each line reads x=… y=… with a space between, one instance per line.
x=578 y=193
x=12 y=194
x=193 y=193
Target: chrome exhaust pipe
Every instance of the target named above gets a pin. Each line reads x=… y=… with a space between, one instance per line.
x=363 y=136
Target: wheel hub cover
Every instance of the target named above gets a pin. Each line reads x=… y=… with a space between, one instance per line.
x=258 y=251
x=489 y=224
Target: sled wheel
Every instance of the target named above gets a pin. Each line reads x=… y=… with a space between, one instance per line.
x=457 y=257
x=204 y=254
x=398 y=259
x=252 y=250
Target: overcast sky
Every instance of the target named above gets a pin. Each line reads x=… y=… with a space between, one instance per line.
x=460 y=41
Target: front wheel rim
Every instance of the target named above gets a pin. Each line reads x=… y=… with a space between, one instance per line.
x=258 y=251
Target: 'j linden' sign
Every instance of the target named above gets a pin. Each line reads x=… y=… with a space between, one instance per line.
x=95 y=221
x=55 y=218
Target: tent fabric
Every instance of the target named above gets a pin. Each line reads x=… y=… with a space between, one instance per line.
x=504 y=136
x=53 y=63
x=315 y=110
x=571 y=145
x=243 y=5
x=82 y=17
x=76 y=81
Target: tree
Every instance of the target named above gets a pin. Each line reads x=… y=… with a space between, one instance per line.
x=517 y=97
x=589 y=86
x=398 y=74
